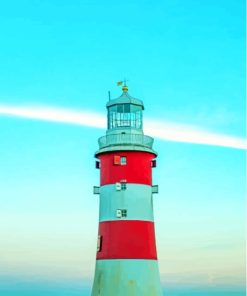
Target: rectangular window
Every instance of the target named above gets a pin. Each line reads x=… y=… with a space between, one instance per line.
x=123 y=186
x=99 y=243
x=96 y=190
x=118 y=213
x=114 y=119
x=121 y=213
x=126 y=108
x=155 y=189
x=117 y=160
x=123 y=160
x=120 y=108
x=153 y=163
x=124 y=213
x=97 y=164
x=118 y=186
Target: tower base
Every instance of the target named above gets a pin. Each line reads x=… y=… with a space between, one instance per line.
x=121 y=277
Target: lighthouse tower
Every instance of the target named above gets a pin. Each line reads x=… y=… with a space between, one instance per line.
x=126 y=259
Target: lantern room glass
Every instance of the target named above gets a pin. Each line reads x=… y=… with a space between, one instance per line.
x=125 y=115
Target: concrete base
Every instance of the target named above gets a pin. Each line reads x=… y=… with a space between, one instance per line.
x=128 y=277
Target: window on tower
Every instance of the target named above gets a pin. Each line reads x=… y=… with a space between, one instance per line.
x=123 y=160
x=121 y=213
x=119 y=160
x=97 y=164
x=123 y=186
x=124 y=213
x=99 y=243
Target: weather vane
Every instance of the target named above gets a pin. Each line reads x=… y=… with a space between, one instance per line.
x=123 y=82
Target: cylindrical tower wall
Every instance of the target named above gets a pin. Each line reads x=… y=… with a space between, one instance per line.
x=137 y=199
x=126 y=277
x=137 y=170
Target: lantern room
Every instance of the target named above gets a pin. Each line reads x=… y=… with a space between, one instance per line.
x=125 y=112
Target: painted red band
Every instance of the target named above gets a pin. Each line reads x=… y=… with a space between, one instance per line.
x=127 y=239
x=137 y=170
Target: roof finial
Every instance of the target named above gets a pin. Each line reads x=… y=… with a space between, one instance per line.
x=124 y=87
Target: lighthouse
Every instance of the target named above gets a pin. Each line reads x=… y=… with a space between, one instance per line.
x=126 y=258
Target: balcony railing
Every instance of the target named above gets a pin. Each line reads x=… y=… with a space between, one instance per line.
x=125 y=139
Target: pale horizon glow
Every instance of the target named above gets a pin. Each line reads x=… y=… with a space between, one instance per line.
x=168 y=131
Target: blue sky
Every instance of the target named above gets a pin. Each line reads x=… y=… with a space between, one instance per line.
x=186 y=61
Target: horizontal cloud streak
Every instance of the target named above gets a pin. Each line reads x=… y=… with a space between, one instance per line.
x=190 y=134
x=160 y=129
x=86 y=118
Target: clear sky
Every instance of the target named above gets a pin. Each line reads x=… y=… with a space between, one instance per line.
x=186 y=61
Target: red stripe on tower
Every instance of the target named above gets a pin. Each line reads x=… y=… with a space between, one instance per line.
x=127 y=239
x=138 y=168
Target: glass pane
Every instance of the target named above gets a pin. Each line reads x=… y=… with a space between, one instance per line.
x=126 y=108
x=123 y=160
x=133 y=118
x=113 y=119
x=138 y=119
x=125 y=115
x=120 y=108
x=117 y=119
x=126 y=121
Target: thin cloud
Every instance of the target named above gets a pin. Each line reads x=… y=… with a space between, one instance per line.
x=86 y=118
x=190 y=134
x=159 y=129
